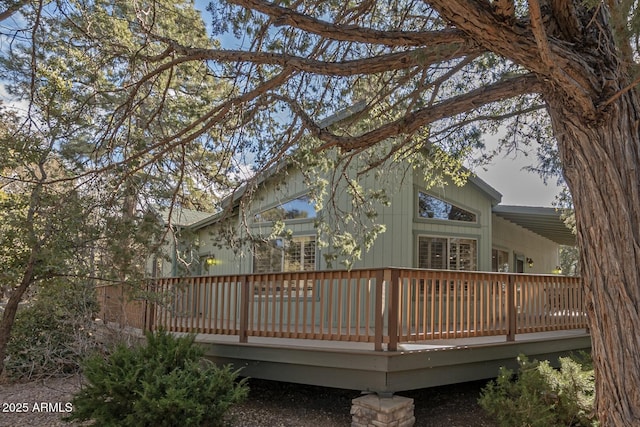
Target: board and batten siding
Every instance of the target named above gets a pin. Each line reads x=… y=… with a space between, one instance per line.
x=393 y=246
x=212 y=243
x=396 y=247
x=469 y=197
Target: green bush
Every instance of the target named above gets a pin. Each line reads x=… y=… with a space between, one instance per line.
x=53 y=331
x=541 y=396
x=163 y=383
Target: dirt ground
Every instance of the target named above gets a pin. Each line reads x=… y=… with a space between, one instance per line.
x=270 y=404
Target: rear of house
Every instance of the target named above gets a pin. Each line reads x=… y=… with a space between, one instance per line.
x=279 y=309
x=440 y=227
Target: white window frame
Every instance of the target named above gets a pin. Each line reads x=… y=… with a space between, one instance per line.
x=286 y=264
x=475 y=214
x=448 y=255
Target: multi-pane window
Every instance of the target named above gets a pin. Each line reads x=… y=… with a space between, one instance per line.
x=433 y=208
x=432 y=252
x=267 y=257
x=279 y=255
x=447 y=253
x=300 y=208
x=499 y=260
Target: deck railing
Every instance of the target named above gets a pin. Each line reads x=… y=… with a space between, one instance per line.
x=390 y=305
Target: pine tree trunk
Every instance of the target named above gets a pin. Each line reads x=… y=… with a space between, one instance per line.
x=29 y=274
x=602 y=167
x=11 y=309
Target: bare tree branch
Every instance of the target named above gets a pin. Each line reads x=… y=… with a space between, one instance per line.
x=506 y=9
x=12 y=10
x=564 y=13
x=411 y=122
x=376 y=64
x=539 y=34
x=286 y=16
x=186 y=134
x=519 y=44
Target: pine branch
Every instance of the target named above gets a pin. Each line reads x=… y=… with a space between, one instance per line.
x=412 y=122
x=375 y=64
x=352 y=33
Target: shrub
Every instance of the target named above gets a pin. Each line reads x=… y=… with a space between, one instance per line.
x=163 y=383
x=541 y=396
x=53 y=331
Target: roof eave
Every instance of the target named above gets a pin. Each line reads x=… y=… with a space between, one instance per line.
x=544 y=221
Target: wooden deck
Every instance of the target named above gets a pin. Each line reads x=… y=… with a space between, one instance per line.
x=382 y=330
x=357 y=366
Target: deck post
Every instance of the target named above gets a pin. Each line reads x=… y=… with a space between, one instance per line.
x=394 y=309
x=379 y=309
x=511 y=308
x=150 y=308
x=244 y=309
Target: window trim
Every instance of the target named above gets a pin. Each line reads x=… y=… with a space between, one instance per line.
x=506 y=251
x=418 y=218
x=282 y=261
x=270 y=206
x=448 y=239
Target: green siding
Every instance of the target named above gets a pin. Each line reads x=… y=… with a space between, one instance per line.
x=397 y=246
x=468 y=197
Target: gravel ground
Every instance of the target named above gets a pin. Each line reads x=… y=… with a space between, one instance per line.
x=270 y=404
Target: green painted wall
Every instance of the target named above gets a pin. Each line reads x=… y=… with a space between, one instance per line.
x=468 y=197
x=397 y=246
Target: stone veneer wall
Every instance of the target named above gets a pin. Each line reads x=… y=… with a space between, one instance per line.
x=374 y=411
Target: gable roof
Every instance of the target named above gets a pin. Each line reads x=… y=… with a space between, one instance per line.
x=492 y=194
x=182 y=217
x=546 y=222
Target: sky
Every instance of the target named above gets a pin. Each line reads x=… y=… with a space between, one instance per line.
x=518 y=186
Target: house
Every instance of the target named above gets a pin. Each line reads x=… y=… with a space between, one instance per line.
x=176 y=255
x=453 y=286
x=420 y=308
x=445 y=226
x=428 y=221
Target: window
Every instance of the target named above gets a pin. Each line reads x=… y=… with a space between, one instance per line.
x=432 y=253
x=300 y=208
x=447 y=253
x=279 y=255
x=499 y=260
x=433 y=208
